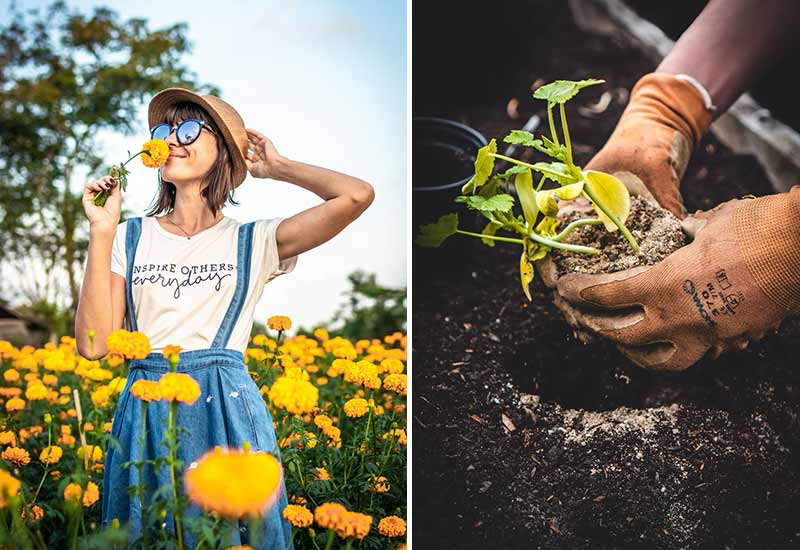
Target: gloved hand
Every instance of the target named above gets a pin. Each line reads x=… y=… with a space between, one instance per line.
x=664 y=121
x=738 y=278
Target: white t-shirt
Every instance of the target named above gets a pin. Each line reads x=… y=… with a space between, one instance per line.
x=182 y=287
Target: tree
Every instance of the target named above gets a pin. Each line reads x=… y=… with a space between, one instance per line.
x=371 y=310
x=63 y=78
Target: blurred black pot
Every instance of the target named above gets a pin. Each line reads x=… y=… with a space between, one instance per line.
x=443 y=160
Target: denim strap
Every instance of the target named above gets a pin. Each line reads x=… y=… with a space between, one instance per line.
x=244 y=245
x=132 y=233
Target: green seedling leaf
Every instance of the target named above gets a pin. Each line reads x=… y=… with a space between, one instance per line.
x=521 y=137
x=434 y=234
x=490 y=229
x=558 y=152
x=523 y=183
x=556 y=171
x=547 y=227
x=613 y=194
x=546 y=202
x=484 y=164
x=525 y=272
x=496 y=203
x=562 y=91
x=569 y=192
x=492 y=186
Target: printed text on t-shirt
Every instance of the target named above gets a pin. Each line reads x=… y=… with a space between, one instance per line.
x=170 y=275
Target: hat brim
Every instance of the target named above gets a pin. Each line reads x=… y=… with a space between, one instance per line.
x=167 y=97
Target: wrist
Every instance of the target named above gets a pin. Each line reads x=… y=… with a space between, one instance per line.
x=281 y=168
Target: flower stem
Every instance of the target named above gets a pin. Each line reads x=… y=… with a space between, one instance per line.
x=173 y=406
x=139 y=467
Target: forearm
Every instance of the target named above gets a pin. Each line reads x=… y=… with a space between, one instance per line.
x=327 y=184
x=95 y=303
x=731 y=43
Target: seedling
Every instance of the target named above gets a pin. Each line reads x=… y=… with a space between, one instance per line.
x=488 y=193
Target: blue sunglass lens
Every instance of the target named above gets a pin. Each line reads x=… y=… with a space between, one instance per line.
x=187 y=131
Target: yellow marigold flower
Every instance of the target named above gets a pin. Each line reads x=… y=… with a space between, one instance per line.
x=9 y=487
x=372 y=382
x=256 y=353
x=65 y=390
x=91 y=494
x=107 y=427
x=321 y=474
x=100 y=396
x=321 y=334
x=331 y=515
x=8 y=438
x=251 y=492
x=88 y=427
x=171 y=353
x=296 y=396
x=16 y=456
x=51 y=454
x=98 y=374
x=36 y=391
x=311 y=440
x=399 y=433
x=392 y=526
x=299 y=516
x=67 y=439
x=380 y=484
x=50 y=379
x=334 y=433
x=130 y=345
x=35 y=513
x=279 y=322
x=93 y=452
x=15 y=404
x=396 y=382
x=154 y=153
x=10 y=392
x=322 y=420
x=357 y=525
x=116 y=385
x=356 y=408
x=11 y=375
x=296 y=499
x=73 y=493
x=176 y=386
x=146 y=390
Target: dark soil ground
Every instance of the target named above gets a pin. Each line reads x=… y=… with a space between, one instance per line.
x=523 y=437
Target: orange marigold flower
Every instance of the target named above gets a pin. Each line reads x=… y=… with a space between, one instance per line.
x=8 y=438
x=399 y=433
x=36 y=391
x=146 y=390
x=107 y=427
x=392 y=526
x=11 y=375
x=154 y=153
x=171 y=353
x=176 y=386
x=380 y=484
x=73 y=493
x=331 y=515
x=251 y=492
x=91 y=494
x=356 y=408
x=279 y=322
x=322 y=420
x=396 y=382
x=295 y=395
x=35 y=513
x=51 y=454
x=92 y=452
x=16 y=456
x=357 y=525
x=100 y=396
x=299 y=516
x=9 y=487
x=322 y=474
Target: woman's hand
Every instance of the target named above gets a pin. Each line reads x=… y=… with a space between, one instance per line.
x=262 y=158
x=104 y=217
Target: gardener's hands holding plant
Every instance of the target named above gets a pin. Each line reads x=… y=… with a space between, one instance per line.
x=661 y=126
x=738 y=278
x=263 y=159
x=106 y=217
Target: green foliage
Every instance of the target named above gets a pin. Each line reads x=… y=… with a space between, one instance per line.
x=538 y=223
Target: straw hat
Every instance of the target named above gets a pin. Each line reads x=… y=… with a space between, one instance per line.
x=226 y=118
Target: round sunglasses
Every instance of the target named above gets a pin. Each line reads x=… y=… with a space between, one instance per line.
x=188 y=130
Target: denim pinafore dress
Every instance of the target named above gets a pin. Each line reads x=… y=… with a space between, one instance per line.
x=228 y=412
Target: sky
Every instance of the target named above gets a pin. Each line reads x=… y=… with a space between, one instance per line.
x=326 y=82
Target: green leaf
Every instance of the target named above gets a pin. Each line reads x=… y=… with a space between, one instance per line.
x=501 y=202
x=490 y=229
x=484 y=164
x=521 y=137
x=569 y=192
x=612 y=193
x=558 y=152
x=490 y=188
x=525 y=272
x=546 y=202
x=434 y=234
x=516 y=169
x=556 y=171
x=562 y=91
x=523 y=183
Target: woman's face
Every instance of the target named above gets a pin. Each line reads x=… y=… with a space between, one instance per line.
x=189 y=163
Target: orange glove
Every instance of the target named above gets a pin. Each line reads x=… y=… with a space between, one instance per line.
x=661 y=126
x=738 y=278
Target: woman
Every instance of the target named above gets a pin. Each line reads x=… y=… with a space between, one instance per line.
x=192 y=278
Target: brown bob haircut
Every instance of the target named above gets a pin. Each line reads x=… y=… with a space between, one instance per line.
x=219 y=187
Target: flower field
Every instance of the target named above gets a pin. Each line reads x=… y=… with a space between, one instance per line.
x=339 y=414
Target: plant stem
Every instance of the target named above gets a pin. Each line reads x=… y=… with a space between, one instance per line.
x=577 y=223
x=505 y=239
x=173 y=406
x=566 y=137
x=541 y=182
x=330 y=540
x=553 y=244
x=604 y=209
x=552 y=124
x=139 y=467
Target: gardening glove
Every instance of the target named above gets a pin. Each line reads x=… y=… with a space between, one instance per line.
x=661 y=126
x=738 y=278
